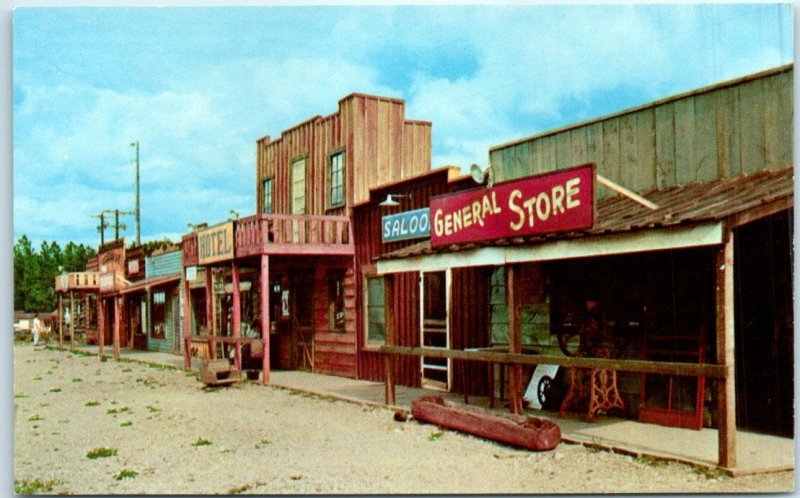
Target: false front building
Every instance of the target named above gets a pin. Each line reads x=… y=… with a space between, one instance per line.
x=278 y=289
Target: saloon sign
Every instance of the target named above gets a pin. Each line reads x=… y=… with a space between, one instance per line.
x=215 y=244
x=551 y=202
x=406 y=226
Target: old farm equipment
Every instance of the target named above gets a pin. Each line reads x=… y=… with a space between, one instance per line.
x=531 y=433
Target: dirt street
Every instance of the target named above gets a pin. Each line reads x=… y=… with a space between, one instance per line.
x=164 y=434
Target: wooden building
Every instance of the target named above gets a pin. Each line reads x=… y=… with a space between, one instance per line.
x=280 y=287
x=683 y=270
x=77 y=304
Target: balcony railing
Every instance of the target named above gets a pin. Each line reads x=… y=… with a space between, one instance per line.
x=79 y=280
x=284 y=234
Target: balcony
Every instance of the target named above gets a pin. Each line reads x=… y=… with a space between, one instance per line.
x=78 y=281
x=284 y=234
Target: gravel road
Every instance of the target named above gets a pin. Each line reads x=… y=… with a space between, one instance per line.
x=173 y=437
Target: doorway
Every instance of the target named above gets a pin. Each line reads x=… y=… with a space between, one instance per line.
x=301 y=321
x=434 y=329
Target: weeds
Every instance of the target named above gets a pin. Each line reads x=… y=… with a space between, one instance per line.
x=55 y=390
x=652 y=461
x=20 y=395
x=38 y=377
x=77 y=379
x=126 y=424
x=35 y=418
x=241 y=489
x=25 y=487
x=101 y=452
x=124 y=409
x=435 y=435
x=126 y=474
x=201 y=442
x=91 y=403
x=708 y=472
x=152 y=409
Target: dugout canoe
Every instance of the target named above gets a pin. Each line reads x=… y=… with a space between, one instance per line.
x=531 y=433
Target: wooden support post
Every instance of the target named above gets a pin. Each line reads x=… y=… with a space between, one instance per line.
x=187 y=323
x=101 y=323
x=265 y=318
x=514 y=338
x=726 y=388
x=210 y=311
x=115 y=337
x=60 y=320
x=388 y=359
x=237 y=316
x=72 y=318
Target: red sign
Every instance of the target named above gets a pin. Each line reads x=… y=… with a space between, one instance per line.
x=552 y=202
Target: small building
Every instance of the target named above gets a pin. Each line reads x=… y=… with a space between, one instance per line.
x=77 y=304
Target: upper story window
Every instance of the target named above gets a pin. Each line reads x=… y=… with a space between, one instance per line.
x=336 y=179
x=266 y=196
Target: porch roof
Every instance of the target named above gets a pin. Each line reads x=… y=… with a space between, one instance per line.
x=687 y=216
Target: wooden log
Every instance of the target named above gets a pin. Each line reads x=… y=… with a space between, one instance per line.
x=531 y=433
x=265 y=318
x=726 y=388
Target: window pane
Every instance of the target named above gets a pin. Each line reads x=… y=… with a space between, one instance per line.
x=336 y=179
x=435 y=296
x=375 y=291
x=376 y=311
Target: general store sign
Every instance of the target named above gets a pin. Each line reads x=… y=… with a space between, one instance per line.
x=406 y=226
x=552 y=202
x=215 y=243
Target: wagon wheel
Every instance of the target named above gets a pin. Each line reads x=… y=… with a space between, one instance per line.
x=569 y=341
x=544 y=389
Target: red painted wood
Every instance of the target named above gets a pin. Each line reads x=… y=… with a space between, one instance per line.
x=237 y=315
x=117 y=314
x=210 y=310
x=531 y=433
x=265 y=318
x=187 y=322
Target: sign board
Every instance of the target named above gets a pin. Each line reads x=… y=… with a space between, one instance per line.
x=215 y=243
x=406 y=226
x=552 y=202
x=107 y=281
x=191 y=273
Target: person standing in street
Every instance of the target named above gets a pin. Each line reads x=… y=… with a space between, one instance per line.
x=37 y=330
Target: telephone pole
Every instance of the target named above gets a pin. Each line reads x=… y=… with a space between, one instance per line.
x=103 y=225
x=135 y=145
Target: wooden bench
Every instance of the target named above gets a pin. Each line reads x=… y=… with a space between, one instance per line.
x=218 y=373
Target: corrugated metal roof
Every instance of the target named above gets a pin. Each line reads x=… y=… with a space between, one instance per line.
x=679 y=205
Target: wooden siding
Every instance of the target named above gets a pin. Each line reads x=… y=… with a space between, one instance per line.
x=469 y=325
x=367 y=234
x=380 y=146
x=735 y=127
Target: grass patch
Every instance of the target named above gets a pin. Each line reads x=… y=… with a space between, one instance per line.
x=35 y=418
x=126 y=424
x=708 y=472
x=101 y=452
x=38 y=377
x=124 y=409
x=126 y=474
x=652 y=461
x=25 y=487
x=91 y=403
x=77 y=379
x=153 y=409
x=78 y=352
x=55 y=390
x=202 y=442
x=20 y=395
x=241 y=489
x=127 y=370
x=435 y=435
x=55 y=433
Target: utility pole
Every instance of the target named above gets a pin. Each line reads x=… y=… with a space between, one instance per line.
x=117 y=224
x=103 y=225
x=135 y=145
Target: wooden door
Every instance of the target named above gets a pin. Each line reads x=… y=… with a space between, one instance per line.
x=302 y=328
x=434 y=303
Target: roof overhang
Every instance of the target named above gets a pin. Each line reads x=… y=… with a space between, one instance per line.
x=675 y=237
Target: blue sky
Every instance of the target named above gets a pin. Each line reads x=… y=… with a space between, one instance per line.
x=198 y=86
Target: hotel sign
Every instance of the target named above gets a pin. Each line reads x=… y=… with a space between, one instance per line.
x=406 y=226
x=215 y=244
x=552 y=202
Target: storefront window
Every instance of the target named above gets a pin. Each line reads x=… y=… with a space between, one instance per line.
x=266 y=192
x=336 y=180
x=376 y=311
x=159 y=315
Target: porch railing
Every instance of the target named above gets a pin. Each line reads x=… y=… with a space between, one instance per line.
x=284 y=234
x=82 y=280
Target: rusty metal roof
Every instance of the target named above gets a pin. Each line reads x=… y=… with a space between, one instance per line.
x=693 y=203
